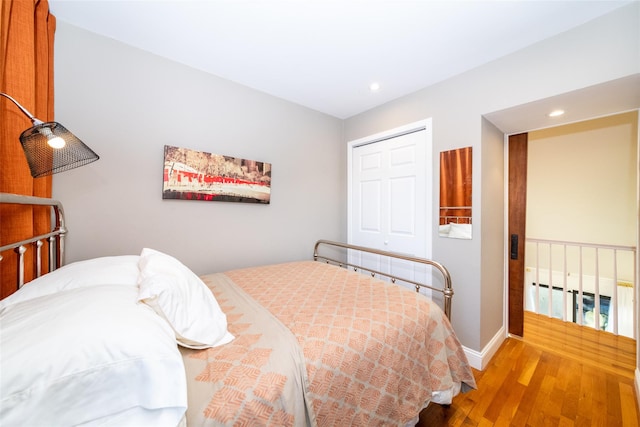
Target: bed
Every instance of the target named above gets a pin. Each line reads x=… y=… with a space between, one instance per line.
x=455 y=222
x=141 y=340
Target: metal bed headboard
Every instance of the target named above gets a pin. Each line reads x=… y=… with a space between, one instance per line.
x=55 y=236
x=446 y=290
x=457 y=218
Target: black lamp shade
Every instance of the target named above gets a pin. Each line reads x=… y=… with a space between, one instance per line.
x=45 y=160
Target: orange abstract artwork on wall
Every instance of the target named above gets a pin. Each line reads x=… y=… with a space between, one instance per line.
x=197 y=175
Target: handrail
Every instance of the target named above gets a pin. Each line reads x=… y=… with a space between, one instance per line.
x=584 y=245
x=577 y=283
x=447 y=290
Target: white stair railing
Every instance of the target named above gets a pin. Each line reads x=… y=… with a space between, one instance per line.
x=585 y=283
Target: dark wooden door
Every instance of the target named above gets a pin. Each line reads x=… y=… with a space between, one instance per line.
x=517 y=229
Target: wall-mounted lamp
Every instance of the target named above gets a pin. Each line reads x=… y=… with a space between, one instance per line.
x=50 y=148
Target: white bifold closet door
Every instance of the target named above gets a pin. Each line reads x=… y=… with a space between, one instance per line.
x=390 y=198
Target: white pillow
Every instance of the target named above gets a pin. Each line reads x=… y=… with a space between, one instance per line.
x=87 y=355
x=111 y=270
x=444 y=229
x=460 y=231
x=179 y=296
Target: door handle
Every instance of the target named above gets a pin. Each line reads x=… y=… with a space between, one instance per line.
x=514 y=246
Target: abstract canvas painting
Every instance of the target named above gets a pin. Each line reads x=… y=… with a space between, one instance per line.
x=197 y=175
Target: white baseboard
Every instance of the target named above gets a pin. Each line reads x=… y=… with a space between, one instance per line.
x=480 y=360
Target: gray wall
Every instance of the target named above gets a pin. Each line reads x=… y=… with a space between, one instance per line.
x=491 y=220
x=599 y=51
x=127 y=104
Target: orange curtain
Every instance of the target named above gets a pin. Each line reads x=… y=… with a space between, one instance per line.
x=455 y=182
x=26 y=74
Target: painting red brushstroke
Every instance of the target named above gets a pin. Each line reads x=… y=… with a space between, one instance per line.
x=197 y=175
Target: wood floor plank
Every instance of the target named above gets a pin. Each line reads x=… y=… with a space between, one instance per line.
x=566 y=422
x=571 y=400
x=602 y=349
x=556 y=397
x=502 y=422
x=503 y=388
x=525 y=385
x=527 y=409
x=587 y=388
x=530 y=365
x=628 y=404
x=612 y=402
x=511 y=404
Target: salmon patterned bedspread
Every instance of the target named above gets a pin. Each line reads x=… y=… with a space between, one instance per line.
x=258 y=379
x=373 y=353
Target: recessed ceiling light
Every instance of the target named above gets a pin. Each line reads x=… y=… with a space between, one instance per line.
x=556 y=113
x=374 y=87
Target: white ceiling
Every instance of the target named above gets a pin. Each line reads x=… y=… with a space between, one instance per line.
x=323 y=54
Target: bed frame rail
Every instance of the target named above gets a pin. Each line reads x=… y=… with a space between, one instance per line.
x=55 y=237
x=446 y=290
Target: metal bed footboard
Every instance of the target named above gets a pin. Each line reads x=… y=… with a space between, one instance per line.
x=55 y=237
x=446 y=290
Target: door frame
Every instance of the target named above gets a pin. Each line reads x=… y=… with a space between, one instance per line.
x=426 y=125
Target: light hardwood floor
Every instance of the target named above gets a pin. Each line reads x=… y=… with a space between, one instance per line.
x=538 y=381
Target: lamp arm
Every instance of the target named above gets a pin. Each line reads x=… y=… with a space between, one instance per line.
x=24 y=110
